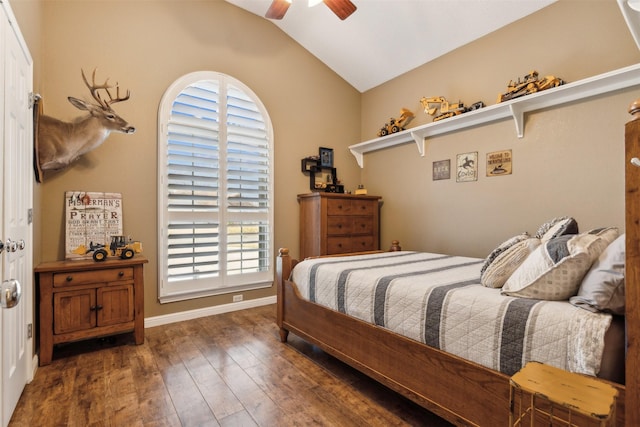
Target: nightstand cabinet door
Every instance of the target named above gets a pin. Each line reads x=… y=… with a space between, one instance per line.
x=332 y=223
x=74 y=311
x=115 y=304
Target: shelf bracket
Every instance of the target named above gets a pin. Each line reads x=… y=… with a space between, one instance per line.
x=359 y=157
x=518 y=118
x=419 y=142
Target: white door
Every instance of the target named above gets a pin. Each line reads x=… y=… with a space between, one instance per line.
x=16 y=181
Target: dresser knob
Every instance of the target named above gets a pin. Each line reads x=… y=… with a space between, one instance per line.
x=635 y=162
x=69 y=278
x=120 y=273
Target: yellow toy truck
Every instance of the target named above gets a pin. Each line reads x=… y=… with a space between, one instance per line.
x=119 y=247
x=396 y=125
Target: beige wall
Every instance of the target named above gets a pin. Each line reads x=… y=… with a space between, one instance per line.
x=145 y=46
x=570 y=161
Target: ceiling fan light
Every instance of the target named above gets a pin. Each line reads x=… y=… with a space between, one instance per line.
x=634 y=4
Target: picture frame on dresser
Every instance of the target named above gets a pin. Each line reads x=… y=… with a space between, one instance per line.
x=320 y=178
x=325 y=157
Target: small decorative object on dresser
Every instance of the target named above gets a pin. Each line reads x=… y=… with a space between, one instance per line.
x=82 y=299
x=332 y=223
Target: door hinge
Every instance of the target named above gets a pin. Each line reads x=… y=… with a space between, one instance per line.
x=30 y=330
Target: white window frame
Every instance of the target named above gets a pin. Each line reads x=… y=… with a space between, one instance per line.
x=170 y=291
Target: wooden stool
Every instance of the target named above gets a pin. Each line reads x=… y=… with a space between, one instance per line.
x=544 y=395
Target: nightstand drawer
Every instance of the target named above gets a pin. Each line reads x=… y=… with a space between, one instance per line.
x=98 y=276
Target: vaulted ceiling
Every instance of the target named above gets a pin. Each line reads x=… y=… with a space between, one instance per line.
x=383 y=39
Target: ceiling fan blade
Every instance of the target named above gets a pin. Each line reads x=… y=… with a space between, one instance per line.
x=277 y=9
x=342 y=8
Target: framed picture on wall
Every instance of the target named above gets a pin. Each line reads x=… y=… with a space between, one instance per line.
x=467 y=167
x=326 y=157
x=499 y=163
x=442 y=169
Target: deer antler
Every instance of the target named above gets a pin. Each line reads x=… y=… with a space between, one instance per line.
x=94 y=88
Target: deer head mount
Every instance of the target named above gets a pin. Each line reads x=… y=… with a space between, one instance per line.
x=59 y=143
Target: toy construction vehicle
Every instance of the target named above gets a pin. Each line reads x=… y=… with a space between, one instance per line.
x=119 y=247
x=447 y=109
x=530 y=84
x=396 y=125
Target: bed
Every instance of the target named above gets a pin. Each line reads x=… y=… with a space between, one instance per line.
x=462 y=388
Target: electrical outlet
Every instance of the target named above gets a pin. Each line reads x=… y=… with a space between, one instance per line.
x=237 y=298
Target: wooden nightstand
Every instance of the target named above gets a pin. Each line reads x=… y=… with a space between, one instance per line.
x=83 y=299
x=335 y=223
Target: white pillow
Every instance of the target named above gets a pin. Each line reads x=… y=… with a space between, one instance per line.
x=555 y=269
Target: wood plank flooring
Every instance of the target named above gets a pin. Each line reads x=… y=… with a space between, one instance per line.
x=224 y=370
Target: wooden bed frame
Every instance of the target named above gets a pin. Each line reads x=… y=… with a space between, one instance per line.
x=455 y=389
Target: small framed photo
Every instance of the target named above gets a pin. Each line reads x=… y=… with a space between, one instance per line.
x=326 y=157
x=442 y=170
x=309 y=163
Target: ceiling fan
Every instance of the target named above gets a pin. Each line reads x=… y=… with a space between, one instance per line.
x=342 y=8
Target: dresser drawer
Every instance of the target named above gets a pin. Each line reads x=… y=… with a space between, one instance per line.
x=363 y=207
x=339 y=245
x=339 y=225
x=96 y=276
x=363 y=243
x=339 y=207
x=362 y=225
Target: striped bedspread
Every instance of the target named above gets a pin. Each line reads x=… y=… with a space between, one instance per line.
x=438 y=300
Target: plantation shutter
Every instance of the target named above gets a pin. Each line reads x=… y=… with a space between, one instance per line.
x=217 y=210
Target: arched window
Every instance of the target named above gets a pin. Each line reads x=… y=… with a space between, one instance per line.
x=215 y=188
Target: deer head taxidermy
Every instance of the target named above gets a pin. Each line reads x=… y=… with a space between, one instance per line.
x=58 y=143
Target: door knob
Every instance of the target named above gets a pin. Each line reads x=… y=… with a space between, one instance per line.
x=12 y=246
x=10 y=293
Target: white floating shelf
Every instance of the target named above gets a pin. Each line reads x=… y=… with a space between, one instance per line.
x=515 y=108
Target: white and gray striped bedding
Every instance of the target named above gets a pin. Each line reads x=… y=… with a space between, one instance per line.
x=438 y=300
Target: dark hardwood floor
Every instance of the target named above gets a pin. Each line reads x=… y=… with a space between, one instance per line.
x=224 y=370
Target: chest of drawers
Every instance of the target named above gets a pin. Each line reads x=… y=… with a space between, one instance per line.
x=333 y=223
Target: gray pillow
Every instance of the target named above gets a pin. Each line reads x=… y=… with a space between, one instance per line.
x=603 y=286
x=557 y=227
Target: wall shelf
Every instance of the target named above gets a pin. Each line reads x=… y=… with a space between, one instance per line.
x=515 y=108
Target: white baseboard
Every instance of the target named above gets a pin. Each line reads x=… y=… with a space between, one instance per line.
x=165 y=319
